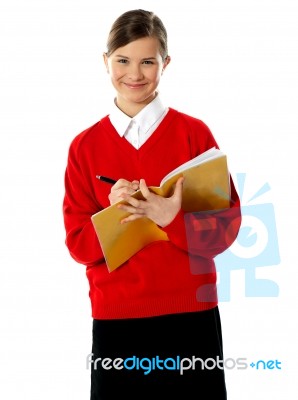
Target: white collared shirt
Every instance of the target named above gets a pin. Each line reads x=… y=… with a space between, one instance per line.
x=139 y=128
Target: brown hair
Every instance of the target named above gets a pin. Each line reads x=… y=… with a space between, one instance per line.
x=134 y=25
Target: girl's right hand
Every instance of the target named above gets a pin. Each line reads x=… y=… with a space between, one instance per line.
x=122 y=187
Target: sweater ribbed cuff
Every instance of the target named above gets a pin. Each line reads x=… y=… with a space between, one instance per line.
x=176 y=230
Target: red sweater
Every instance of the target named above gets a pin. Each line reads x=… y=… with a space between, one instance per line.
x=165 y=277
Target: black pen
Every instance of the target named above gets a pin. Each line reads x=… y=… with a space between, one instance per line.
x=106 y=179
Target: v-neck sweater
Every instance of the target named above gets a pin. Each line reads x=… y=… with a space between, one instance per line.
x=165 y=277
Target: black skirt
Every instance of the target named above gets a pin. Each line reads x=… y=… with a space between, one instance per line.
x=166 y=357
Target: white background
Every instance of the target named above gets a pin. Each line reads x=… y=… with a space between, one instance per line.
x=234 y=65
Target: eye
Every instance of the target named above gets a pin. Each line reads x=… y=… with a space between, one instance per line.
x=148 y=62
x=122 y=61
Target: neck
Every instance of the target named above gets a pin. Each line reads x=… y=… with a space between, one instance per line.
x=132 y=109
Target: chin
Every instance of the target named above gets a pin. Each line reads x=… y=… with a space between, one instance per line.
x=143 y=98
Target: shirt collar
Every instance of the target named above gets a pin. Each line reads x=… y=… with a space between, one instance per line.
x=145 y=118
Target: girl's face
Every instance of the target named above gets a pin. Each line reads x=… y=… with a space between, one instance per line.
x=135 y=71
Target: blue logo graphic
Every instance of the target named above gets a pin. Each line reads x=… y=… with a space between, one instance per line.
x=255 y=246
x=269 y=364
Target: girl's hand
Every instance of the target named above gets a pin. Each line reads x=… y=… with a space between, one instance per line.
x=160 y=210
x=122 y=188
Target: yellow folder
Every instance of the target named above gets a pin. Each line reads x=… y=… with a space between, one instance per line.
x=206 y=187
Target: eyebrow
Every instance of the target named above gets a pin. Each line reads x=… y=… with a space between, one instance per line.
x=127 y=58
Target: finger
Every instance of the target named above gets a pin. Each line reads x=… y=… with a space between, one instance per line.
x=135 y=185
x=144 y=189
x=121 y=183
x=125 y=184
x=131 y=200
x=178 y=188
x=131 y=209
x=129 y=191
x=123 y=192
x=130 y=218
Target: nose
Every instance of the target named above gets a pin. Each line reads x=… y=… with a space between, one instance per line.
x=135 y=72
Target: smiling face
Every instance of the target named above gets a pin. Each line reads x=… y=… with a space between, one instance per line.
x=135 y=71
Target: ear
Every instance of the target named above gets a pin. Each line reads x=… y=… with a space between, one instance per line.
x=106 y=59
x=166 y=62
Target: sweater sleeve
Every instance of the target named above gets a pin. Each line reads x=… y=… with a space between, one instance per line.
x=206 y=234
x=78 y=207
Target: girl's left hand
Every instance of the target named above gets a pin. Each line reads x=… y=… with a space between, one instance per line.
x=159 y=209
